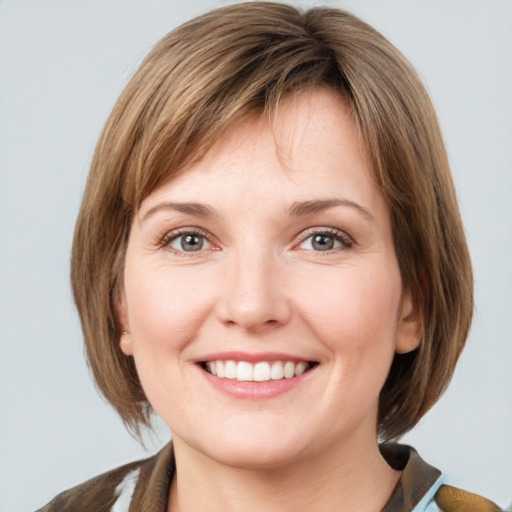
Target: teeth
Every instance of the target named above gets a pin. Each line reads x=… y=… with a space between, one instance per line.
x=300 y=368
x=220 y=369
x=276 y=372
x=289 y=370
x=244 y=371
x=212 y=367
x=260 y=372
x=230 y=370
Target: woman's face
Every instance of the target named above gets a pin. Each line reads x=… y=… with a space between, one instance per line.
x=272 y=256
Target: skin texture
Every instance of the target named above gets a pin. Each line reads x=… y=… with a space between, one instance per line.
x=257 y=286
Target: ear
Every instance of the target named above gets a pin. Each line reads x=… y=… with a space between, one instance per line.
x=121 y=312
x=410 y=324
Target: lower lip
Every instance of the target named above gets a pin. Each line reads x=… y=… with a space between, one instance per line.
x=255 y=390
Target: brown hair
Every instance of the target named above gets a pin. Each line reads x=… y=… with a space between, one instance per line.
x=213 y=70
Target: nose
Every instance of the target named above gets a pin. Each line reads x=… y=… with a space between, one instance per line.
x=254 y=297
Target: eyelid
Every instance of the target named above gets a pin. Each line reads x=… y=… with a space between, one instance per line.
x=187 y=230
x=346 y=241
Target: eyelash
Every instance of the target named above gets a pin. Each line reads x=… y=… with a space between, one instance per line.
x=345 y=241
x=178 y=233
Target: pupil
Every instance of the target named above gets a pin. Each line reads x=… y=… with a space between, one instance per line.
x=323 y=242
x=191 y=243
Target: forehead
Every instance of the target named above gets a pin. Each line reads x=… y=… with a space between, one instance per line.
x=310 y=140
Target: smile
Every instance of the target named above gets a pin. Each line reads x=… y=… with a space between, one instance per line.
x=263 y=371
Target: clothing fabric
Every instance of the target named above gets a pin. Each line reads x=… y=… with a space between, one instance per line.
x=143 y=486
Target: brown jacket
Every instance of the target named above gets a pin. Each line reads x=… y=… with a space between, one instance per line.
x=143 y=486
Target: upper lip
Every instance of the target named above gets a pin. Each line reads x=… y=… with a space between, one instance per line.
x=252 y=357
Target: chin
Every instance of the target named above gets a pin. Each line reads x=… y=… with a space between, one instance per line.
x=265 y=456
x=252 y=450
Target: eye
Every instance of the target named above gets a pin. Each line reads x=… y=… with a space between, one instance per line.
x=325 y=240
x=188 y=241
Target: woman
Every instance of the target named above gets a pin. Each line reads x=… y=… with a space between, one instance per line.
x=270 y=256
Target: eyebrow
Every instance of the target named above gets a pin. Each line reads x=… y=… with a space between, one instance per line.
x=299 y=209
x=197 y=209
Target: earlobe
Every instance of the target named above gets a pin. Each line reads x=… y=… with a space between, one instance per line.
x=410 y=325
x=125 y=341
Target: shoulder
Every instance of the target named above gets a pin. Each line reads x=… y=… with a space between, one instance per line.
x=422 y=488
x=453 y=499
x=135 y=484
x=97 y=494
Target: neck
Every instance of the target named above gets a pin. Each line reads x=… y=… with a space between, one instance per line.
x=353 y=479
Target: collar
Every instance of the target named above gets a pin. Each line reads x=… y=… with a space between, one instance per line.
x=418 y=481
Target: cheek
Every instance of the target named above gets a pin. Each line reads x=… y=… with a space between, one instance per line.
x=354 y=310
x=165 y=308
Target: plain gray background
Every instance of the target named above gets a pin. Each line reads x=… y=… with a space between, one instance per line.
x=63 y=64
